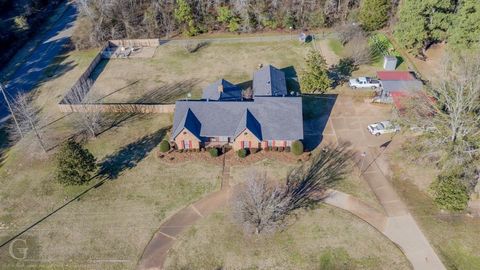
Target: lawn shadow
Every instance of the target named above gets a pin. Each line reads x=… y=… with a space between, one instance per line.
x=316 y=112
x=130 y=155
x=291 y=78
x=99 y=68
x=169 y=92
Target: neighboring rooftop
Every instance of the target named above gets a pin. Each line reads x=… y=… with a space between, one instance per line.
x=395 y=76
x=402 y=86
x=269 y=118
x=222 y=90
x=269 y=81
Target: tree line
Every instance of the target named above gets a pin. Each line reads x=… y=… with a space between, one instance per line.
x=103 y=20
x=416 y=24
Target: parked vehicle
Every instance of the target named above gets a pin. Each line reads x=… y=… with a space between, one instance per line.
x=364 y=82
x=383 y=127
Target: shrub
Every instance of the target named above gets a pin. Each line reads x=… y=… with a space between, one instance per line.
x=297 y=148
x=242 y=153
x=213 y=152
x=254 y=150
x=164 y=146
x=280 y=149
x=275 y=148
x=75 y=164
x=449 y=192
x=287 y=149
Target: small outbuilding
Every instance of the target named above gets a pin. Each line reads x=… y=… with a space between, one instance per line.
x=390 y=62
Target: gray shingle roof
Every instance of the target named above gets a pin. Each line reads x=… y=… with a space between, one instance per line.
x=190 y=122
x=399 y=86
x=269 y=81
x=277 y=118
x=230 y=91
x=249 y=122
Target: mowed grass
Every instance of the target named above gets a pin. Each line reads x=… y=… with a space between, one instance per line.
x=320 y=238
x=172 y=68
x=110 y=225
x=336 y=46
x=455 y=237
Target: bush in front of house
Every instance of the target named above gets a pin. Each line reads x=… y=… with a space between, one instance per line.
x=164 y=146
x=242 y=153
x=75 y=164
x=213 y=152
x=297 y=148
x=450 y=192
x=254 y=150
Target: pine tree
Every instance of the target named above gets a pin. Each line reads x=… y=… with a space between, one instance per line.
x=411 y=29
x=374 y=14
x=465 y=31
x=315 y=77
x=423 y=22
x=75 y=164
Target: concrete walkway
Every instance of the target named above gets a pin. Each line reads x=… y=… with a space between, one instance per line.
x=156 y=251
x=401 y=228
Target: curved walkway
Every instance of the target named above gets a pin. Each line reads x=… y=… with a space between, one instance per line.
x=401 y=230
x=155 y=253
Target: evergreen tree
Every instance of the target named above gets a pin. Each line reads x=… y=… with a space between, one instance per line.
x=75 y=164
x=315 y=77
x=423 y=22
x=374 y=14
x=184 y=15
x=465 y=31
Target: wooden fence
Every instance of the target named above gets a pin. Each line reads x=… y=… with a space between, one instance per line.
x=134 y=42
x=117 y=108
x=86 y=74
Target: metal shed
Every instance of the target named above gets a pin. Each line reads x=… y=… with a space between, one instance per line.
x=390 y=62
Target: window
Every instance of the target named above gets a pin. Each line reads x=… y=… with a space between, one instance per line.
x=289 y=143
x=244 y=144
x=187 y=144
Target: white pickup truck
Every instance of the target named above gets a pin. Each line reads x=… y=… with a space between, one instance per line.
x=364 y=82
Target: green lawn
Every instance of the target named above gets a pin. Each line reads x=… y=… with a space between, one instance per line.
x=455 y=237
x=336 y=46
x=321 y=238
x=173 y=69
x=109 y=226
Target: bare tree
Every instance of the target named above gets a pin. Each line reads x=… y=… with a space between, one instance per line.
x=89 y=118
x=347 y=32
x=451 y=111
x=263 y=206
x=359 y=50
x=27 y=118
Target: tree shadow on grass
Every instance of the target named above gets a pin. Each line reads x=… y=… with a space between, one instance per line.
x=130 y=155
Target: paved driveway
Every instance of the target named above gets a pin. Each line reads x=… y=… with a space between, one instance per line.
x=347 y=123
x=31 y=72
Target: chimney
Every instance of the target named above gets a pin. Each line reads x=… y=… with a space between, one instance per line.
x=220 y=88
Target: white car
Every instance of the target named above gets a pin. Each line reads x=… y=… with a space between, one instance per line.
x=364 y=82
x=383 y=127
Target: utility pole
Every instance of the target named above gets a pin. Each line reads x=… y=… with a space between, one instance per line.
x=10 y=109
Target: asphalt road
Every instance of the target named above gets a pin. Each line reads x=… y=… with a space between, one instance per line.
x=28 y=75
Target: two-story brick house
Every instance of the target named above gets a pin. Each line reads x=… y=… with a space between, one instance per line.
x=272 y=118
